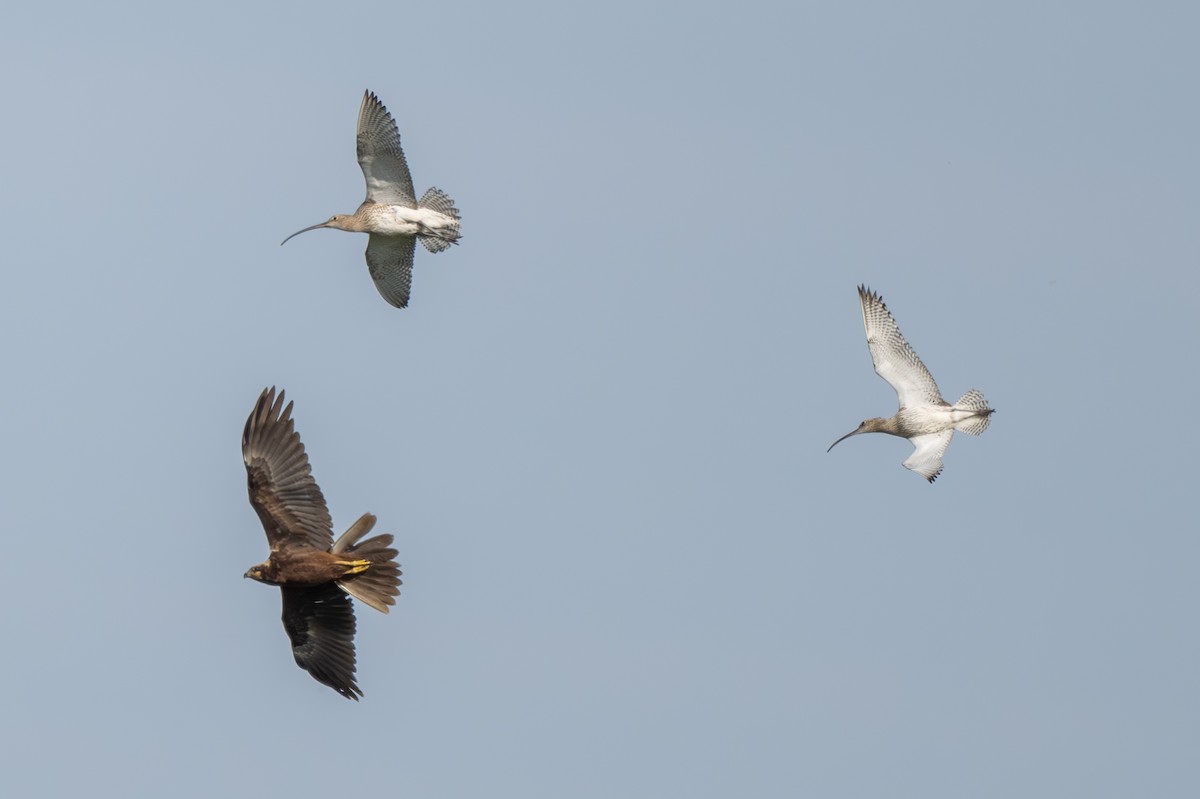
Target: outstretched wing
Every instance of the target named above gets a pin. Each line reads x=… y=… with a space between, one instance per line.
x=320 y=623
x=279 y=479
x=894 y=360
x=390 y=261
x=380 y=156
x=926 y=459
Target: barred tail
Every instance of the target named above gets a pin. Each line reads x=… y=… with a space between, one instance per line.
x=438 y=239
x=977 y=422
x=380 y=583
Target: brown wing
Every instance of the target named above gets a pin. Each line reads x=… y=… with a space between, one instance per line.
x=279 y=479
x=320 y=622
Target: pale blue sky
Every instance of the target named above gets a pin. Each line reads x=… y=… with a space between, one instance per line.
x=599 y=431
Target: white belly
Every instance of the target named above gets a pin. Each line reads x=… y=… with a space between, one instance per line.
x=926 y=419
x=400 y=221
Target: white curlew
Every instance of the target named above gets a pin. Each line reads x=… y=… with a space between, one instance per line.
x=924 y=418
x=391 y=213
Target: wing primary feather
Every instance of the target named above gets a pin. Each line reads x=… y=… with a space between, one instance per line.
x=279 y=478
x=894 y=360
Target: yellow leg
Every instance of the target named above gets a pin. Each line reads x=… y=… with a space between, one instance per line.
x=354 y=566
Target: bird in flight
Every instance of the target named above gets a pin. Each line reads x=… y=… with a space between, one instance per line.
x=316 y=575
x=924 y=418
x=391 y=214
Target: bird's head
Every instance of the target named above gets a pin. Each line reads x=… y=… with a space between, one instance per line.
x=258 y=572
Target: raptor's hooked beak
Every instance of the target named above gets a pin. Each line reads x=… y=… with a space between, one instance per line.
x=298 y=232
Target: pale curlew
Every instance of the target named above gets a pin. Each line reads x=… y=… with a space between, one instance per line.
x=391 y=213
x=924 y=418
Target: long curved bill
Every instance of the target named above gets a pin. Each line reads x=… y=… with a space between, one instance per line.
x=843 y=438
x=298 y=232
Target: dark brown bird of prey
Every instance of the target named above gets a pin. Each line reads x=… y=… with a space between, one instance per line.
x=314 y=572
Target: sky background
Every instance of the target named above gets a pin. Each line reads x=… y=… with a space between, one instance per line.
x=630 y=567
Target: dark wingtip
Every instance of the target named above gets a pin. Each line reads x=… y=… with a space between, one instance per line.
x=866 y=295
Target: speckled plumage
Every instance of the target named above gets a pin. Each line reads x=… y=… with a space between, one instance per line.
x=391 y=212
x=924 y=418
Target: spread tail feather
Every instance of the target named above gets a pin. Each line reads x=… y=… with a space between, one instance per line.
x=348 y=539
x=976 y=423
x=437 y=200
x=379 y=584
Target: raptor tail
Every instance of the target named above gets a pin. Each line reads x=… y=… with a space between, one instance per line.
x=379 y=583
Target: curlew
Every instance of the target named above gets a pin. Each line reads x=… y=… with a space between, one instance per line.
x=924 y=418
x=391 y=214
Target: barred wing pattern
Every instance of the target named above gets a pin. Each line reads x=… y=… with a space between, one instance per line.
x=894 y=360
x=390 y=262
x=926 y=459
x=381 y=157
